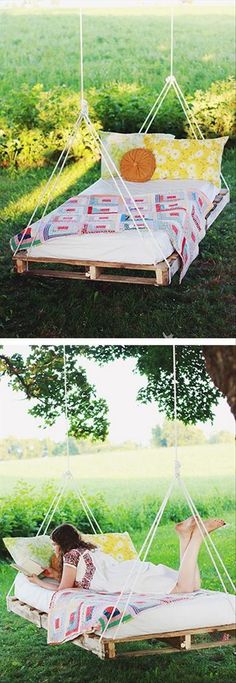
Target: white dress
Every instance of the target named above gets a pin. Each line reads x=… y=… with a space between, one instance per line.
x=99 y=571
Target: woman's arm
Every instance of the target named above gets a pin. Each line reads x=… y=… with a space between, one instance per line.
x=67 y=579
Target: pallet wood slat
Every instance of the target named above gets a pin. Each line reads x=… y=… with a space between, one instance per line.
x=25 y=611
x=177 y=641
x=98 y=271
x=220 y=201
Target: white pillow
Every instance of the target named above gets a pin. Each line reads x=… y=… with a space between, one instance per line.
x=37 y=548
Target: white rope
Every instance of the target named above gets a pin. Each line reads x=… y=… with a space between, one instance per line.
x=50 y=508
x=133 y=573
x=182 y=104
x=85 y=506
x=168 y=86
x=55 y=507
x=70 y=143
x=186 y=108
x=66 y=408
x=198 y=517
x=171 y=40
x=12 y=586
x=44 y=191
x=152 y=108
x=186 y=493
x=81 y=58
x=89 y=513
x=175 y=411
x=204 y=537
x=187 y=112
x=224 y=181
x=153 y=236
x=61 y=488
x=99 y=144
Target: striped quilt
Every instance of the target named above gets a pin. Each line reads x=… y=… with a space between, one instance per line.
x=73 y=612
x=181 y=215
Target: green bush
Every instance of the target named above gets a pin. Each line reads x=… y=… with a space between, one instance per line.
x=123 y=108
x=214 y=109
x=21 y=514
x=35 y=124
x=21 y=110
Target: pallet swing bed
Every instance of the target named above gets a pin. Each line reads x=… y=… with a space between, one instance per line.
x=147 y=256
x=169 y=628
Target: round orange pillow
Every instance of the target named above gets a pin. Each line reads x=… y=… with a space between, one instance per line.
x=138 y=165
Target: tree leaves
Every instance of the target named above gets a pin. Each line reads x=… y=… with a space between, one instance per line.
x=41 y=377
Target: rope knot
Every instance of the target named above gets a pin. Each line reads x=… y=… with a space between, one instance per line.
x=170 y=79
x=84 y=108
x=67 y=474
x=177 y=469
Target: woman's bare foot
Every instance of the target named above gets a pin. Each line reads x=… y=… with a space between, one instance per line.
x=210 y=525
x=186 y=527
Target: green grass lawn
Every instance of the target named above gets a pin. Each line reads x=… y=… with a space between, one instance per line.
x=121 y=472
x=131 y=49
x=25 y=656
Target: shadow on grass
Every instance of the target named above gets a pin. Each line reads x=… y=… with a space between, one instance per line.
x=29 y=182
x=10 y=226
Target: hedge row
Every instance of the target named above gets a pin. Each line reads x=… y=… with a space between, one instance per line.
x=35 y=124
x=22 y=512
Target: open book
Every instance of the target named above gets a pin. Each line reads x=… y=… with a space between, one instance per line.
x=29 y=567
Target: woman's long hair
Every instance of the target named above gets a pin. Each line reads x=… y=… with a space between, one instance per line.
x=68 y=538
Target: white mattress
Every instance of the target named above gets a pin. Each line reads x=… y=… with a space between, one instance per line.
x=211 y=608
x=126 y=247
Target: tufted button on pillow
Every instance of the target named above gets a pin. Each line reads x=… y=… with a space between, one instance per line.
x=137 y=165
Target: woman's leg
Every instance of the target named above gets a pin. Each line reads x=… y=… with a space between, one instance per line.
x=186 y=579
x=184 y=531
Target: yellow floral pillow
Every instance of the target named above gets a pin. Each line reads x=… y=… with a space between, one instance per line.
x=117 y=144
x=118 y=545
x=196 y=159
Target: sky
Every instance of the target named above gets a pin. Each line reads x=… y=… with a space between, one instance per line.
x=116 y=382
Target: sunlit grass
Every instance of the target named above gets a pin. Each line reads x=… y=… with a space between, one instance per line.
x=28 y=201
x=149 y=468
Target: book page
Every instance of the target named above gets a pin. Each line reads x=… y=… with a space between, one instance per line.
x=28 y=567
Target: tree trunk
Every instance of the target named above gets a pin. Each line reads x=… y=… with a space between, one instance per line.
x=221 y=366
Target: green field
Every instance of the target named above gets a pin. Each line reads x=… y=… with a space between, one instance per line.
x=119 y=472
x=132 y=49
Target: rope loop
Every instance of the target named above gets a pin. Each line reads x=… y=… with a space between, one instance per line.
x=84 y=107
x=177 y=469
x=170 y=79
x=67 y=475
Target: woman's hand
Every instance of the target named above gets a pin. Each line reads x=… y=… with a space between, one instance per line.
x=51 y=573
x=35 y=579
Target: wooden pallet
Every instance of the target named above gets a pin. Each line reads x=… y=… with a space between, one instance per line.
x=84 y=269
x=164 y=643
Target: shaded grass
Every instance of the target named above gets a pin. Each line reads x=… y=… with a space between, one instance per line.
x=25 y=655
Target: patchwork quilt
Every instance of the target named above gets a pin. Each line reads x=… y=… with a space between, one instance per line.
x=181 y=215
x=73 y=612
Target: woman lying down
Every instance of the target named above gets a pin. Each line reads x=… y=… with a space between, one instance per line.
x=83 y=565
